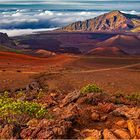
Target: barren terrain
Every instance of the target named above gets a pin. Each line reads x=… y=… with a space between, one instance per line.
x=70 y=72
x=70 y=85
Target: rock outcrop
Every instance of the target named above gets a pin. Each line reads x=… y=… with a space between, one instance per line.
x=6 y=41
x=47 y=129
x=77 y=116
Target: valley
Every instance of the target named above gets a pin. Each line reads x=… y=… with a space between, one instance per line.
x=77 y=82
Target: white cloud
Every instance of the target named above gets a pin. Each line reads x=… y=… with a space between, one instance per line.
x=18 y=32
x=41 y=18
x=46 y=13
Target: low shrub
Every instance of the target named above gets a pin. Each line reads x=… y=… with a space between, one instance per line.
x=133 y=97
x=91 y=88
x=121 y=97
x=9 y=108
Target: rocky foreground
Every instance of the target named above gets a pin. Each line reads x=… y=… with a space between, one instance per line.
x=76 y=115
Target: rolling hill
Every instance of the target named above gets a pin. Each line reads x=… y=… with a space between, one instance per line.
x=119 y=44
x=106 y=51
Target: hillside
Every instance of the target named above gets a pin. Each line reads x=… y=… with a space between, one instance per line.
x=106 y=51
x=112 y=21
x=6 y=41
x=6 y=44
x=128 y=44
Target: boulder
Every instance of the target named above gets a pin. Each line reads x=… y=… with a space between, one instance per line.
x=32 y=86
x=7 y=132
x=131 y=128
x=70 y=98
x=130 y=113
x=70 y=112
x=106 y=107
x=95 y=116
x=93 y=134
x=48 y=101
x=107 y=134
x=122 y=124
x=91 y=98
x=33 y=123
x=47 y=129
x=122 y=134
x=103 y=118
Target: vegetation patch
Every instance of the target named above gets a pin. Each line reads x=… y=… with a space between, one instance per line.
x=91 y=88
x=9 y=108
x=120 y=96
x=133 y=97
x=16 y=51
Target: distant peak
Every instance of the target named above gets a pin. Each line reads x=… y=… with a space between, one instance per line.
x=115 y=12
x=113 y=21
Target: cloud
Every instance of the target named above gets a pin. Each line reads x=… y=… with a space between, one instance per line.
x=34 y=19
x=18 y=32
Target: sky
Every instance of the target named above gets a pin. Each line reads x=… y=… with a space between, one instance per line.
x=28 y=15
x=56 y=1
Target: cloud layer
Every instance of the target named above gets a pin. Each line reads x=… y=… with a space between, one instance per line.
x=34 y=19
x=18 y=32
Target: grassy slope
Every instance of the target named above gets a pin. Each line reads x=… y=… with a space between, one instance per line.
x=4 y=48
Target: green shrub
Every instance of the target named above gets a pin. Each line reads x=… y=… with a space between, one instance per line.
x=10 y=108
x=40 y=93
x=133 y=97
x=20 y=93
x=91 y=88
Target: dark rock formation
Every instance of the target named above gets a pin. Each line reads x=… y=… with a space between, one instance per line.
x=6 y=41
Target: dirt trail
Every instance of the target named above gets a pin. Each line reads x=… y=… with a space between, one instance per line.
x=108 y=69
x=83 y=71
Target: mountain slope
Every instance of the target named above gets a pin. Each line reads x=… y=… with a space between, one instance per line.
x=106 y=51
x=6 y=43
x=128 y=44
x=112 y=21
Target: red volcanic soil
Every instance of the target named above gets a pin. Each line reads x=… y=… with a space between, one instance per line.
x=129 y=44
x=13 y=60
x=113 y=74
x=69 y=72
x=16 y=69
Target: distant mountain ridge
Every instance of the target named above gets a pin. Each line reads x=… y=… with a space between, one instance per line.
x=6 y=43
x=112 y=21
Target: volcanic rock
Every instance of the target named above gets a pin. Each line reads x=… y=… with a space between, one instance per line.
x=70 y=98
x=107 y=134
